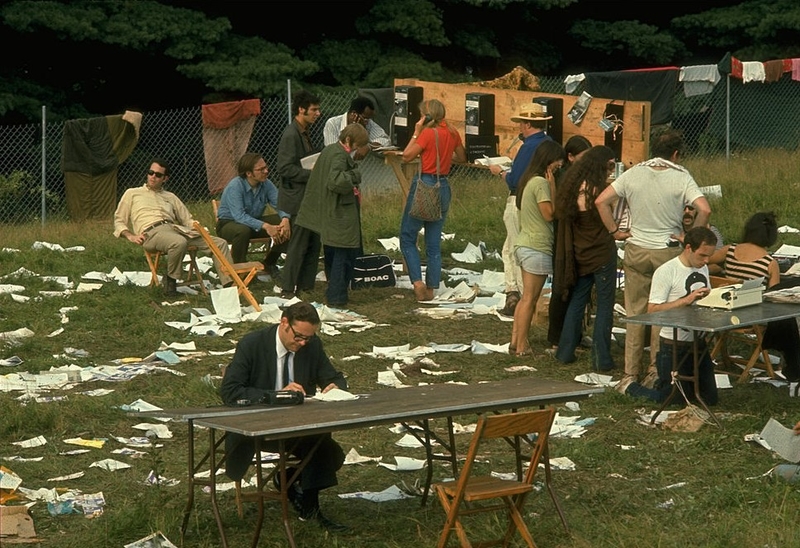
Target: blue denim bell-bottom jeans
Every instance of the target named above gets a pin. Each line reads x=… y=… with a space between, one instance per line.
x=604 y=280
x=409 y=230
x=663 y=384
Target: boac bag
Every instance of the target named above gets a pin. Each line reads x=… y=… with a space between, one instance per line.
x=372 y=271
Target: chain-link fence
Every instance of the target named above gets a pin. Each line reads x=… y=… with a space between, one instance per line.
x=732 y=118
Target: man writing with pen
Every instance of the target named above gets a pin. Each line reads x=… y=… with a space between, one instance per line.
x=286 y=356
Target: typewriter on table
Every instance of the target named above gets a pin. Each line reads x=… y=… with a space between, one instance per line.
x=733 y=296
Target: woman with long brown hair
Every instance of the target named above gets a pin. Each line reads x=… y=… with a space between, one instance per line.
x=585 y=256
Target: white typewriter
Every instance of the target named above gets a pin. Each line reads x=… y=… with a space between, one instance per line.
x=735 y=296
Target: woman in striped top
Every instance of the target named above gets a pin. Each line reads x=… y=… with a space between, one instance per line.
x=750 y=259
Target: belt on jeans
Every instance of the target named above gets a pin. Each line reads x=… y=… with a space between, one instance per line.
x=152 y=226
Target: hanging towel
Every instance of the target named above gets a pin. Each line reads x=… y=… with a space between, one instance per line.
x=773 y=70
x=699 y=79
x=796 y=70
x=225 y=115
x=753 y=71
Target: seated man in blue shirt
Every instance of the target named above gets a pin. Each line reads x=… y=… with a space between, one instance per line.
x=241 y=214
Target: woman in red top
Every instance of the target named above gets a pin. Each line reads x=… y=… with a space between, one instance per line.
x=432 y=132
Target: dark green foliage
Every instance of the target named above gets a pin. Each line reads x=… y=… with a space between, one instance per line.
x=20 y=196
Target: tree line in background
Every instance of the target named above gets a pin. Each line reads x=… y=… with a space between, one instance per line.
x=83 y=58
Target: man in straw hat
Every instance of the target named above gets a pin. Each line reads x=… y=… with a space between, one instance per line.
x=532 y=119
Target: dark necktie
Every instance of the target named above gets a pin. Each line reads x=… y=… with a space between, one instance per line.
x=306 y=142
x=286 y=379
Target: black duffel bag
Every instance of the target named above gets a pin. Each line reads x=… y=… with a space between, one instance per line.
x=373 y=271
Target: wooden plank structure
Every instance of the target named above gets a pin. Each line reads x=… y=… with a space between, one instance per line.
x=635 y=116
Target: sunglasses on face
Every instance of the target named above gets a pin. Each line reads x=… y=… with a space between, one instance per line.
x=156 y=174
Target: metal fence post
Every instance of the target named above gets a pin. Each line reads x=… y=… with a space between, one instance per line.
x=44 y=164
x=289 y=101
x=728 y=117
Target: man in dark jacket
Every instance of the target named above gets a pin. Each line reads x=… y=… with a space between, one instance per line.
x=287 y=356
x=295 y=144
x=331 y=208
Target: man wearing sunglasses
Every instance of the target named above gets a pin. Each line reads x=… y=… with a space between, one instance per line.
x=286 y=356
x=158 y=220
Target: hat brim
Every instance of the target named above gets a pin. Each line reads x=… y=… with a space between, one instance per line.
x=527 y=119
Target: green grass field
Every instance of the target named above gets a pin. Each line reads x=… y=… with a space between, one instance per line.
x=616 y=497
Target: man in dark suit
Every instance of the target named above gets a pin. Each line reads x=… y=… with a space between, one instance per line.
x=286 y=356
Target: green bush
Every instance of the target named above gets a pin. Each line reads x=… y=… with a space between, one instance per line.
x=20 y=198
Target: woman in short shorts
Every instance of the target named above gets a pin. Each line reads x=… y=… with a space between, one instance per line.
x=534 y=245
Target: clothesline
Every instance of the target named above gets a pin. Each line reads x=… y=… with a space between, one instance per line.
x=701 y=79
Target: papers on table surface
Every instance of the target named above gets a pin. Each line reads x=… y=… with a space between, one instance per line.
x=335 y=394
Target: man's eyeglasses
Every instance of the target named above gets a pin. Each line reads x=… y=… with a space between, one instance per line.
x=299 y=336
x=156 y=174
x=264 y=168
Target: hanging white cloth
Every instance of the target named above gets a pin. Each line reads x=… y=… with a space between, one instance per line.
x=753 y=71
x=699 y=79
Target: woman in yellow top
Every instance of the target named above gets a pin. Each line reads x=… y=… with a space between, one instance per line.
x=533 y=247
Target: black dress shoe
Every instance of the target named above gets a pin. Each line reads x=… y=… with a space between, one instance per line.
x=326 y=523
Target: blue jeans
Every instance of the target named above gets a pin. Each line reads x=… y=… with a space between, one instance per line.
x=409 y=230
x=663 y=387
x=339 y=263
x=604 y=280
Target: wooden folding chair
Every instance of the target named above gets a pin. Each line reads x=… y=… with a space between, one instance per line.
x=235 y=270
x=750 y=337
x=193 y=278
x=478 y=491
x=266 y=242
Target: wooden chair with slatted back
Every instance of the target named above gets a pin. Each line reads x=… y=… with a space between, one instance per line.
x=751 y=337
x=193 y=277
x=241 y=273
x=475 y=494
x=265 y=242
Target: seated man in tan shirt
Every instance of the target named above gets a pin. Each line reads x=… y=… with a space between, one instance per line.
x=157 y=220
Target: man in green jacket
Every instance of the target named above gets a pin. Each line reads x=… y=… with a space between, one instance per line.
x=331 y=208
